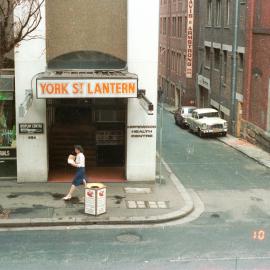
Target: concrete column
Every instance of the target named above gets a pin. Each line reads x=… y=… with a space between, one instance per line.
x=143 y=32
x=30 y=59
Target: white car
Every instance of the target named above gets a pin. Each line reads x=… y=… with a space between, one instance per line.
x=207 y=121
x=181 y=115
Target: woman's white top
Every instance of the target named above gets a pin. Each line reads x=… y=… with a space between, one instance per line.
x=80 y=160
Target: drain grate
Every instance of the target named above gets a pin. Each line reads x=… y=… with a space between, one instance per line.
x=128 y=238
x=147 y=204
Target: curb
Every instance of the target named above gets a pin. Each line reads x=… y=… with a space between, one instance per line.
x=260 y=161
x=90 y=220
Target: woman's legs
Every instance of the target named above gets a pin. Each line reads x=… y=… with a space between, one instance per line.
x=69 y=195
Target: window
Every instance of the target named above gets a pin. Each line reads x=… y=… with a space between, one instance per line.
x=160 y=25
x=164 y=26
x=227 y=12
x=180 y=27
x=216 y=58
x=185 y=25
x=225 y=65
x=180 y=63
x=207 y=56
x=218 y=13
x=240 y=61
x=209 y=12
x=168 y=59
x=174 y=27
x=169 y=26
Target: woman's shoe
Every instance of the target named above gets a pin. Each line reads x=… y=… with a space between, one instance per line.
x=67 y=198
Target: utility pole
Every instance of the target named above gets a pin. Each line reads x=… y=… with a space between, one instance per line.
x=234 y=69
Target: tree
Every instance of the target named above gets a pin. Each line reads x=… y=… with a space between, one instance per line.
x=16 y=28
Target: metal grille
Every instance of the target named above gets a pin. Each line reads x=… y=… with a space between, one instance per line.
x=217 y=126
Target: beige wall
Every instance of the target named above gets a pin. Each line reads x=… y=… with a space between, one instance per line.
x=86 y=25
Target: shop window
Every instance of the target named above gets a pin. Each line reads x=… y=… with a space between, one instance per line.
x=7 y=111
x=7 y=127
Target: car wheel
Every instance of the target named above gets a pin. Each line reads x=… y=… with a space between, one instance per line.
x=200 y=133
x=224 y=134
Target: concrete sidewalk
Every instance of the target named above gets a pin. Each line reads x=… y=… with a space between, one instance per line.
x=241 y=145
x=41 y=204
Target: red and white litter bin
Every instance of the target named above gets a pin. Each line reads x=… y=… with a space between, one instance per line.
x=95 y=199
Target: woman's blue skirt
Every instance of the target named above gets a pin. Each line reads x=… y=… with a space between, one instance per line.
x=79 y=176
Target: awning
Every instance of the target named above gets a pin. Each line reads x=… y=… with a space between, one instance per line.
x=87 y=84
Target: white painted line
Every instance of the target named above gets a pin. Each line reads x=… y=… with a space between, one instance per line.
x=162 y=205
x=130 y=190
x=132 y=204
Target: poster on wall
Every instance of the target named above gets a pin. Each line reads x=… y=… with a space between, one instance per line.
x=31 y=128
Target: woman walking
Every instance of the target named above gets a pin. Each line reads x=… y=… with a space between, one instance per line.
x=79 y=178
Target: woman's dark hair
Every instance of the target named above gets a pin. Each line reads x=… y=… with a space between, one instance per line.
x=79 y=147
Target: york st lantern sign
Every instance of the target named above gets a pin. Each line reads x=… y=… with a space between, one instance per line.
x=86 y=88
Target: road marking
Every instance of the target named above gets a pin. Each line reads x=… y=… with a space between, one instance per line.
x=147 y=204
x=130 y=190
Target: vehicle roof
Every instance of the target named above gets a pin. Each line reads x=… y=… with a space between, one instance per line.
x=205 y=110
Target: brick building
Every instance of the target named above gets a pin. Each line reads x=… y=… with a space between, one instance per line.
x=216 y=50
x=256 y=111
x=177 y=65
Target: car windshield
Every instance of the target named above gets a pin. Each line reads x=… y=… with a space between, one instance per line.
x=209 y=114
x=190 y=110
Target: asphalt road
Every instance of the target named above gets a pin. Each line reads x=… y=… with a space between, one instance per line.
x=232 y=233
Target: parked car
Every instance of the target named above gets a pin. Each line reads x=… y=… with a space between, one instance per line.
x=207 y=121
x=181 y=115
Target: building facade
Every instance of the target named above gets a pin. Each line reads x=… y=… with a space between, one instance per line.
x=178 y=51
x=221 y=58
x=80 y=83
x=256 y=111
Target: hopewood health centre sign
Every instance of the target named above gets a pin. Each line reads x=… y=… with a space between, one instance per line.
x=86 y=88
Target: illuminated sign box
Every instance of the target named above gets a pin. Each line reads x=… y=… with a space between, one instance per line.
x=86 y=88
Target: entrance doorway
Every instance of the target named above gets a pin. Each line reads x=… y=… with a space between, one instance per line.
x=99 y=125
x=203 y=97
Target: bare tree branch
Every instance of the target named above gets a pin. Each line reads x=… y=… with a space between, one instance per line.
x=14 y=29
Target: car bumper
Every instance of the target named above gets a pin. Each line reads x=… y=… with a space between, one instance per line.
x=214 y=131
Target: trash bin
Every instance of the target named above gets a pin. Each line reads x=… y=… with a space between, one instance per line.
x=95 y=199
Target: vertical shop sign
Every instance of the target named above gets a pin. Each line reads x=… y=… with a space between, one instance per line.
x=190 y=22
